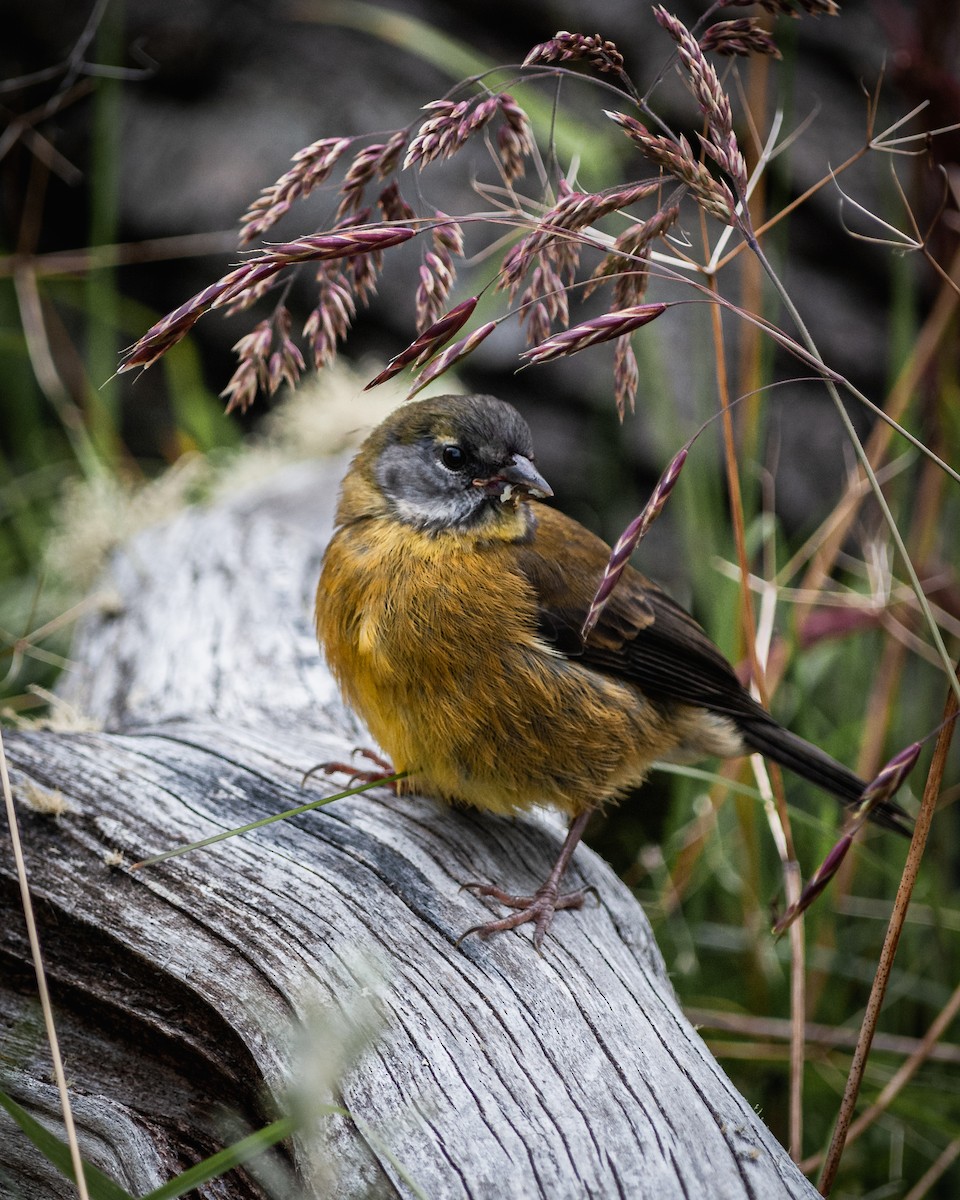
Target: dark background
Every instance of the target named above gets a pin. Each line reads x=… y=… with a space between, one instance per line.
x=218 y=94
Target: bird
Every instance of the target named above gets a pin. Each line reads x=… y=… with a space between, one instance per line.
x=450 y=609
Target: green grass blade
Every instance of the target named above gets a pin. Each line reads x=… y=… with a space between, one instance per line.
x=57 y=1152
x=282 y=816
x=233 y=1156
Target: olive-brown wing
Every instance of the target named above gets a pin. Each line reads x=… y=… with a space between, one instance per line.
x=646 y=638
x=642 y=635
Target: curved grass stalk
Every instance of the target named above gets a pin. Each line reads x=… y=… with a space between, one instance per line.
x=865 y=465
x=42 y=989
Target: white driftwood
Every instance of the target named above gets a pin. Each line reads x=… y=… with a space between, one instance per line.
x=183 y=990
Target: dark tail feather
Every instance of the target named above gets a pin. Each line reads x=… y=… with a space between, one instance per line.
x=808 y=761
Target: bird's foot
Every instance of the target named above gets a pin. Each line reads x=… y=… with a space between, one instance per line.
x=538 y=908
x=353 y=774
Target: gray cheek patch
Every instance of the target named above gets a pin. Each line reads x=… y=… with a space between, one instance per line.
x=432 y=514
x=421 y=492
x=393 y=470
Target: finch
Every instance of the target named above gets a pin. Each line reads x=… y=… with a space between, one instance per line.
x=450 y=608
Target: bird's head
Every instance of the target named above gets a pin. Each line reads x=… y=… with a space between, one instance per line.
x=460 y=463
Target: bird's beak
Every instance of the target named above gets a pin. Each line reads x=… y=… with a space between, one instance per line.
x=518 y=477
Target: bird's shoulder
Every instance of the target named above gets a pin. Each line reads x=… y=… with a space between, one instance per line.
x=564 y=562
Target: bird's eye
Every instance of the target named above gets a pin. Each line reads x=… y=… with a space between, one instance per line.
x=453 y=458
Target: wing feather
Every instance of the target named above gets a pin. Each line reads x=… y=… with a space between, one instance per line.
x=642 y=636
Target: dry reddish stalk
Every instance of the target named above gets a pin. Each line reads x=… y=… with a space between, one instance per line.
x=741 y=37
x=537 y=273
x=922 y=1049
x=452 y=355
x=675 y=156
x=630 y=539
x=577 y=47
x=590 y=333
x=437 y=335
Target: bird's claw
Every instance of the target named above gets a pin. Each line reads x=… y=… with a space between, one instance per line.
x=353 y=774
x=538 y=908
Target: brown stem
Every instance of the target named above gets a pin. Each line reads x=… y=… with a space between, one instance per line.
x=904 y=1073
x=894 y=929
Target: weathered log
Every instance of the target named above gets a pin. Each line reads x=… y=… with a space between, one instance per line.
x=183 y=990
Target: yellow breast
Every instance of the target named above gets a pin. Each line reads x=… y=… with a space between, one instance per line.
x=434 y=642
